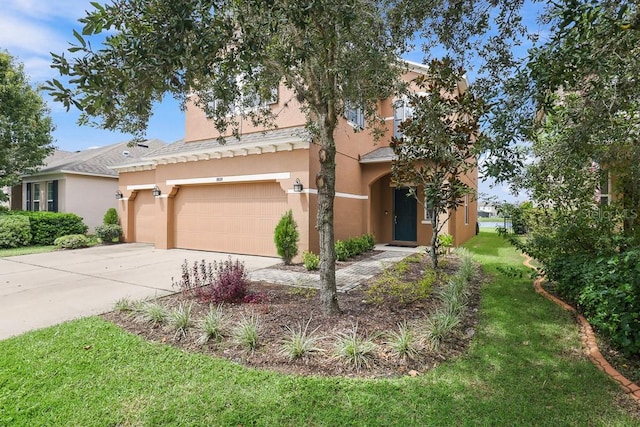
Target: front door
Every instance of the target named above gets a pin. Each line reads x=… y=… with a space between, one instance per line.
x=405 y=216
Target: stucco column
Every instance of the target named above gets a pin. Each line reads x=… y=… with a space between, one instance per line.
x=126 y=215
x=165 y=219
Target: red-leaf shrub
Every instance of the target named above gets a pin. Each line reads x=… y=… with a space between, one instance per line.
x=214 y=282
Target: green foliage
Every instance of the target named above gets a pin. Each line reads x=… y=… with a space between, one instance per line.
x=15 y=231
x=152 y=312
x=48 y=226
x=342 y=251
x=213 y=326
x=354 y=246
x=445 y=240
x=247 y=332
x=72 y=241
x=124 y=305
x=109 y=233
x=25 y=125
x=354 y=349
x=310 y=260
x=179 y=318
x=111 y=217
x=438 y=142
x=300 y=342
x=403 y=342
x=286 y=237
x=440 y=325
x=391 y=285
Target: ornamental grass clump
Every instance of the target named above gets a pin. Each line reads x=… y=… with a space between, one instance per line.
x=354 y=350
x=247 y=332
x=403 y=342
x=180 y=320
x=300 y=342
x=152 y=312
x=124 y=305
x=213 y=325
x=440 y=325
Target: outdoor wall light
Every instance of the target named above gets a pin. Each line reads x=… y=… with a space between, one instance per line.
x=118 y=194
x=156 y=191
x=297 y=187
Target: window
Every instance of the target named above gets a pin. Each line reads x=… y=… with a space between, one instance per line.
x=355 y=115
x=466 y=209
x=29 y=193
x=52 y=196
x=247 y=101
x=604 y=191
x=402 y=110
x=36 y=196
x=428 y=211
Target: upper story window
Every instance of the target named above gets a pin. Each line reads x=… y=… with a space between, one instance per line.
x=466 y=209
x=247 y=100
x=402 y=110
x=605 y=186
x=354 y=115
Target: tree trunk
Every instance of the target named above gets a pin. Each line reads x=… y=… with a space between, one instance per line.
x=326 y=184
x=433 y=252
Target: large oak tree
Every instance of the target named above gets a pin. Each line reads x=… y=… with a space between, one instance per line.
x=331 y=53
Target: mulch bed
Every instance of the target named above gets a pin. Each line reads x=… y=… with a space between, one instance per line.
x=279 y=307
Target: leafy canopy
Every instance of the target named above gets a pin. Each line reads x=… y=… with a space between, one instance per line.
x=439 y=143
x=25 y=125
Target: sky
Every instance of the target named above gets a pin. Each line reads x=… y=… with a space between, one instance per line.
x=31 y=29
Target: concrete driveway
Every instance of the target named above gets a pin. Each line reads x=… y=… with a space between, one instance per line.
x=45 y=289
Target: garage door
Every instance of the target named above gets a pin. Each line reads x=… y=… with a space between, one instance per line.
x=144 y=211
x=237 y=218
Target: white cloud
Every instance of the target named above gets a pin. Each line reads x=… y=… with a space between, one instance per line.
x=22 y=37
x=31 y=29
x=69 y=10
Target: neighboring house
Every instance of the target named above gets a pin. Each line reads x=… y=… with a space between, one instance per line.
x=486 y=210
x=79 y=183
x=230 y=197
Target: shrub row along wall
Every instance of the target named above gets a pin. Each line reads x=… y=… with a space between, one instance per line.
x=44 y=227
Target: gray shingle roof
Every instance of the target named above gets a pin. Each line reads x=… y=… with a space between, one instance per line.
x=96 y=161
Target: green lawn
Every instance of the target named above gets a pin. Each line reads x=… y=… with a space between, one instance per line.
x=492 y=219
x=26 y=250
x=525 y=367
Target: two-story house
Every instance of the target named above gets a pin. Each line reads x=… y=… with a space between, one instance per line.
x=200 y=194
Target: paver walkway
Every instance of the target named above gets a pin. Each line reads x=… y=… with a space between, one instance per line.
x=346 y=278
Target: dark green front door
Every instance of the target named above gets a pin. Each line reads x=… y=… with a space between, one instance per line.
x=405 y=216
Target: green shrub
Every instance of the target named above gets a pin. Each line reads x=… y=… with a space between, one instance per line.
x=48 y=226
x=15 y=231
x=111 y=217
x=109 y=233
x=286 y=237
x=445 y=241
x=342 y=251
x=390 y=285
x=354 y=246
x=72 y=241
x=311 y=261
